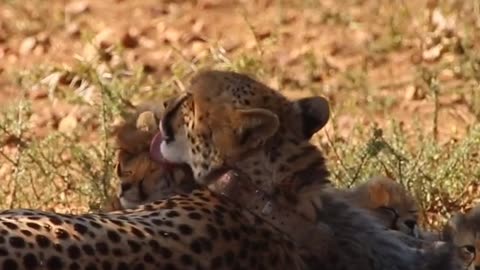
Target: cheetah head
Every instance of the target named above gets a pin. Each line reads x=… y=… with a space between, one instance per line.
x=142 y=179
x=389 y=201
x=463 y=230
x=225 y=118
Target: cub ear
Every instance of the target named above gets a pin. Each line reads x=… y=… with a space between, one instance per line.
x=378 y=193
x=254 y=126
x=315 y=113
x=147 y=122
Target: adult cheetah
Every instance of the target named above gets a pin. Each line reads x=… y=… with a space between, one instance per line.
x=194 y=230
x=229 y=121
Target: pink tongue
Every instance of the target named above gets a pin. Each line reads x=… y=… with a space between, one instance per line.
x=155 y=153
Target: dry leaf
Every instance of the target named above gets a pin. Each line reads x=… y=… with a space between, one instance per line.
x=38 y=92
x=413 y=93
x=147 y=43
x=207 y=4
x=129 y=40
x=198 y=26
x=3 y=34
x=3 y=52
x=27 y=45
x=77 y=7
x=433 y=53
x=172 y=35
x=72 y=29
x=68 y=124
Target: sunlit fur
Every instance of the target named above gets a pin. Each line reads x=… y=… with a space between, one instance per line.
x=232 y=121
x=389 y=202
x=143 y=180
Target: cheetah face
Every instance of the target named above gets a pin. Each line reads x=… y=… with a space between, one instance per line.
x=157 y=185
x=396 y=219
x=463 y=230
x=208 y=139
x=143 y=180
x=389 y=202
x=225 y=118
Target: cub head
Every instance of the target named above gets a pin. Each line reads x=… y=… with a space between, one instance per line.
x=389 y=201
x=225 y=117
x=143 y=180
x=463 y=230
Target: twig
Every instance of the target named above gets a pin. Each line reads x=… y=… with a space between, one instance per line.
x=337 y=155
x=252 y=30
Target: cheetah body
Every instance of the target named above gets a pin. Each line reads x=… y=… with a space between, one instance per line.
x=182 y=232
x=227 y=120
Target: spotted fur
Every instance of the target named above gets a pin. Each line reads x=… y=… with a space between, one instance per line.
x=143 y=180
x=227 y=120
x=195 y=231
x=463 y=230
x=389 y=202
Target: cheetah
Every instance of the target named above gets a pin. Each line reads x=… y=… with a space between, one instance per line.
x=141 y=179
x=133 y=169
x=463 y=230
x=389 y=201
x=196 y=229
x=394 y=207
x=229 y=121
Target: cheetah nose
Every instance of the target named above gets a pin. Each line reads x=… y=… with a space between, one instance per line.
x=410 y=223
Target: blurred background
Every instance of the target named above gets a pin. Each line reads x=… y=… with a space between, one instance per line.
x=402 y=78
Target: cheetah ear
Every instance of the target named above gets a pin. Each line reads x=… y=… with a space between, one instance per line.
x=254 y=126
x=146 y=121
x=315 y=113
x=378 y=194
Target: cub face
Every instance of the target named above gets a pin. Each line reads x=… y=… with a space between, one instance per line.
x=463 y=230
x=389 y=202
x=142 y=178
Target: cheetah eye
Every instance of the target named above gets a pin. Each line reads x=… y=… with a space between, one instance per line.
x=390 y=213
x=389 y=210
x=469 y=248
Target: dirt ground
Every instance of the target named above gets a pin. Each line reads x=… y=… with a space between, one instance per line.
x=352 y=37
x=412 y=62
